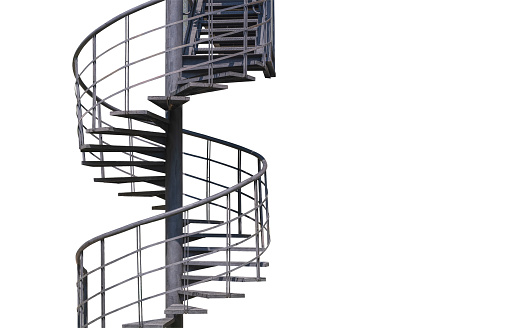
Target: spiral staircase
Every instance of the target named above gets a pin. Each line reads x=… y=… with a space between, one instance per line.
x=122 y=130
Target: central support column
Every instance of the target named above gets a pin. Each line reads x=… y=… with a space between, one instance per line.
x=174 y=224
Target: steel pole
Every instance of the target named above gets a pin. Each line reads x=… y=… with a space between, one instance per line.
x=174 y=224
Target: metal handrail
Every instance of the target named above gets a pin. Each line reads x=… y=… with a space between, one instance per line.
x=137 y=9
x=187 y=207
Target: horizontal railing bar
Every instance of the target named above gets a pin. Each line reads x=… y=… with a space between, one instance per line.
x=263 y=250
x=172 y=239
x=217 y=162
x=193 y=258
x=186 y=45
x=103 y=101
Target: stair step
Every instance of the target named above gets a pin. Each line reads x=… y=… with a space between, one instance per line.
x=190 y=60
x=156 y=180
x=204 y=221
x=192 y=279
x=209 y=264
x=226 y=30
x=157 y=137
x=155 y=193
x=237 y=13
x=233 y=249
x=158 y=152
x=150 y=165
x=239 y=23
x=205 y=294
x=157 y=323
x=224 y=77
x=233 y=66
x=168 y=103
x=194 y=88
x=182 y=309
x=214 y=235
x=223 y=50
x=144 y=116
x=193 y=250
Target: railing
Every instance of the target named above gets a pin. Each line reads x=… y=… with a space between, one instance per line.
x=244 y=205
x=241 y=202
x=91 y=106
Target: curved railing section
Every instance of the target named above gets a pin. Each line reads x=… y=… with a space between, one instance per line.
x=121 y=273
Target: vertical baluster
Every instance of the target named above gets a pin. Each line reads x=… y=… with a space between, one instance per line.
x=260 y=202
x=186 y=252
x=258 y=261
x=139 y=277
x=208 y=169
x=210 y=42
x=94 y=106
x=228 y=245
x=102 y=284
x=79 y=110
x=273 y=31
x=245 y=40
x=80 y=322
x=267 y=209
x=101 y=141
x=83 y=290
x=239 y=191
x=126 y=95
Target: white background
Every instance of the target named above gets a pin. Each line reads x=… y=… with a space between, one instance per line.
x=394 y=133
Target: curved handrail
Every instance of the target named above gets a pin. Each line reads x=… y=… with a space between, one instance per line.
x=187 y=207
x=117 y=18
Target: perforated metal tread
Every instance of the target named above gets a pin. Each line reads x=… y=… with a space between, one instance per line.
x=194 y=88
x=175 y=309
x=158 y=137
x=192 y=278
x=150 y=165
x=144 y=116
x=206 y=294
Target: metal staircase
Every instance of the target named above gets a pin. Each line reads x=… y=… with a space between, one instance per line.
x=124 y=131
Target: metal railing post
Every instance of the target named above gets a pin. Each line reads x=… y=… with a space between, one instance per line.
x=267 y=210
x=256 y=232
x=260 y=203
x=208 y=177
x=139 y=278
x=102 y=284
x=245 y=40
x=239 y=191
x=94 y=106
x=228 y=246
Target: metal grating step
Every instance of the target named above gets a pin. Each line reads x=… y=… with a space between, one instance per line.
x=238 y=23
x=168 y=103
x=224 y=263
x=144 y=116
x=192 y=279
x=155 y=193
x=213 y=235
x=157 y=137
x=194 y=88
x=223 y=50
x=158 y=152
x=150 y=165
x=206 y=294
x=156 y=180
x=158 y=323
x=224 y=77
x=175 y=309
